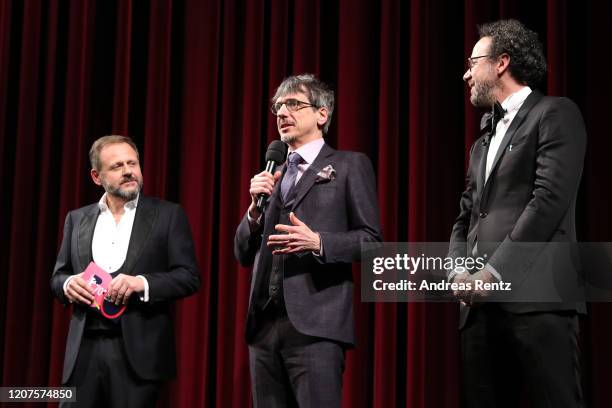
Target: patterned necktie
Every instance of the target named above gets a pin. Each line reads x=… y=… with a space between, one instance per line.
x=290 y=175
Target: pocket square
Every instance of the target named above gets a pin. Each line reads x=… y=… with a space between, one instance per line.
x=328 y=173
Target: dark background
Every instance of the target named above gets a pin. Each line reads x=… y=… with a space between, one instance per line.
x=190 y=81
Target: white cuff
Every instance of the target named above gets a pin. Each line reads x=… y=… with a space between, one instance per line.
x=254 y=223
x=493 y=272
x=145 y=293
x=66 y=283
x=454 y=273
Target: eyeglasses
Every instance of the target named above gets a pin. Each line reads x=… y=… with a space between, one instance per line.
x=292 y=105
x=471 y=61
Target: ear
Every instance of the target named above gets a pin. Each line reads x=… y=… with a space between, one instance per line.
x=95 y=176
x=502 y=64
x=322 y=116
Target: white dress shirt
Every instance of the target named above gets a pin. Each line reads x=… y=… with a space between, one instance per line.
x=111 y=240
x=511 y=104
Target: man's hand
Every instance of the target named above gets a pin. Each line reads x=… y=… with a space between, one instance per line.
x=262 y=183
x=122 y=287
x=462 y=295
x=294 y=238
x=77 y=290
x=486 y=277
x=468 y=297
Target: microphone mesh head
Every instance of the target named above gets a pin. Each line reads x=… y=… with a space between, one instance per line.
x=277 y=152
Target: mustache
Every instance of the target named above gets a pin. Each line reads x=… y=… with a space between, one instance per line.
x=128 y=179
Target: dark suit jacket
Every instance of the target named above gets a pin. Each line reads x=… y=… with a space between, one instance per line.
x=318 y=292
x=529 y=197
x=161 y=250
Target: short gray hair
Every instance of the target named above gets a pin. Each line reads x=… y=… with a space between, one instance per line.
x=319 y=94
x=98 y=145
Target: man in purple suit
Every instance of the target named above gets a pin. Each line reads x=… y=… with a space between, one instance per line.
x=322 y=206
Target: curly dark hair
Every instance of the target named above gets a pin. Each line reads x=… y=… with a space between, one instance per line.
x=527 y=61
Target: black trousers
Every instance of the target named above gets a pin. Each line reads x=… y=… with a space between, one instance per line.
x=291 y=369
x=103 y=377
x=502 y=352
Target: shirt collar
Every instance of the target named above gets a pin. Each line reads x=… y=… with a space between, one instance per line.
x=130 y=205
x=310 y=150
x=513 y=102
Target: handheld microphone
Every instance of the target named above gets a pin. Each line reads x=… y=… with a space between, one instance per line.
x=275 y=155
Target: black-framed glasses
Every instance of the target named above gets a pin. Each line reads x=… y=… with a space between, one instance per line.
x=292 y=105
x=471 y=61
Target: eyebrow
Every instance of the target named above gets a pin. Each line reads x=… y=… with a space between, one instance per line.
x=123 y=161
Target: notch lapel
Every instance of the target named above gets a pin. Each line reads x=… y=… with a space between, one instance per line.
x=482 y=165
x=274 y=205
x=310 y=175
x=144 y=220
x=85 y=236
x=533 y=98
x=272 y=210
x=270 y=219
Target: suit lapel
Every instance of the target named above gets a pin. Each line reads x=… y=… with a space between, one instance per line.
x=482 y=165
x=310 y=175
x=276 y=193
x=529 y=103
x=271 y=214
x=85 y=236
x=274 y=205
x=270 y=219
x=144 y=220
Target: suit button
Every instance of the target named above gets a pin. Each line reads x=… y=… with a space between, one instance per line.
x=483 y=214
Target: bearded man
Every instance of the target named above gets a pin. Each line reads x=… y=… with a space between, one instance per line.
x=521 y=188
x=145 y=245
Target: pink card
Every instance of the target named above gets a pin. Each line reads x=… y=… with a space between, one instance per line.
x=99 y=280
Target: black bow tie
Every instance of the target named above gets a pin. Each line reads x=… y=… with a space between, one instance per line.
x=489 y=119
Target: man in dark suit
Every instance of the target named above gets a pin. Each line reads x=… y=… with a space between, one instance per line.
x=322 y=206
x=520 y=196
x=146 y=245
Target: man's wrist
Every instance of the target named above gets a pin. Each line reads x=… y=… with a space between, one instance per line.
x=253 y=215
x=253 y=218
x=319 y=251
x=454 y=273
x=253 y=210
x=493 y=272
x=65 y=286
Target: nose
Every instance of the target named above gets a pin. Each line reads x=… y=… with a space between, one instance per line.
x=467 y=75
x=283 y=112
x=126 y=169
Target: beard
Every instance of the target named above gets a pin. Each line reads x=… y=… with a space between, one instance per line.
x=482 y=95
x=122 y=193
x=288 y=139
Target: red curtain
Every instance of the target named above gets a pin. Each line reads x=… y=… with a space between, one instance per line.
x=190 y=81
